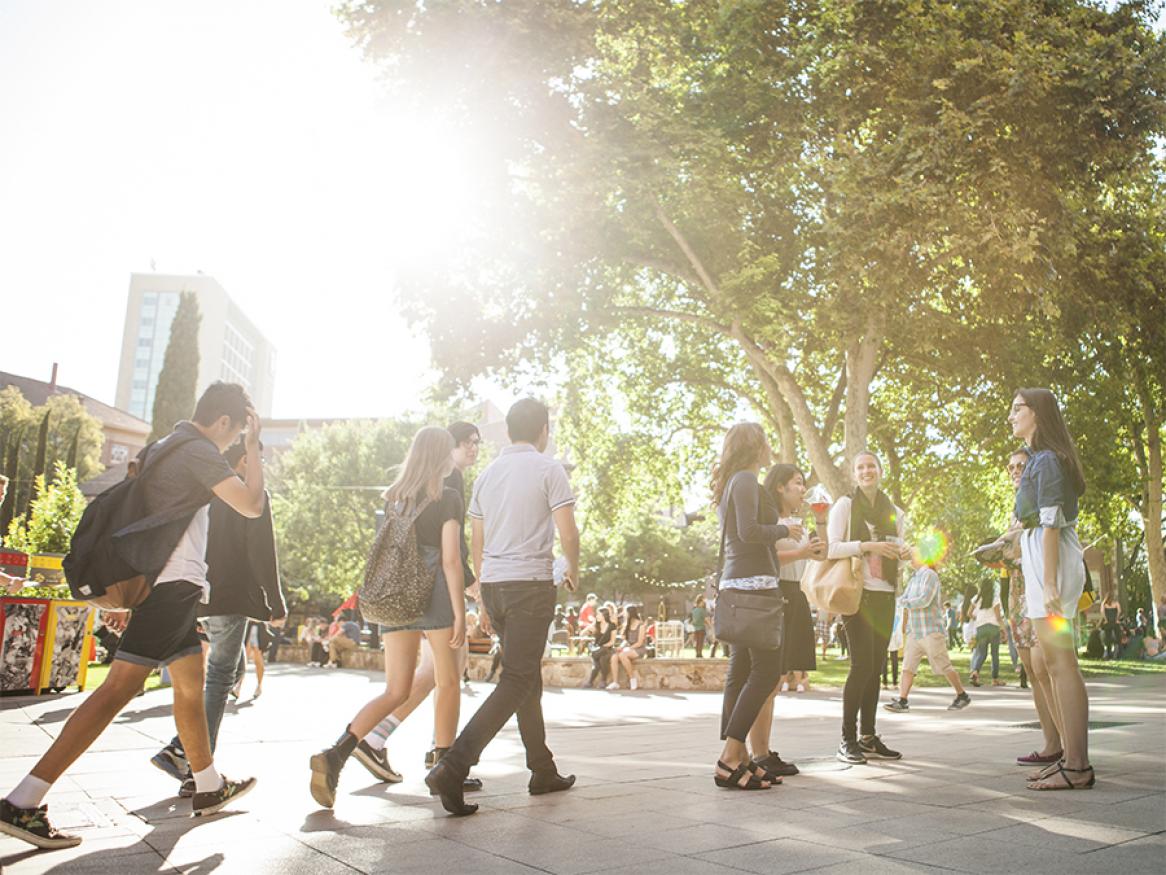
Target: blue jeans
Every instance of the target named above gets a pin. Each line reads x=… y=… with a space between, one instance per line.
x=224 y=668
x=987 y=636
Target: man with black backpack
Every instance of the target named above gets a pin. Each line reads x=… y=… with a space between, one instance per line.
x=243 y=571
x=164 y=543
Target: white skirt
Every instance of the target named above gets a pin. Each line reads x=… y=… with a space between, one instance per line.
x=1070 y=571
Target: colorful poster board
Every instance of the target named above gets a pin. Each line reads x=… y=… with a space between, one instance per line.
x=22 y=630
x=67 y=644
x=46 y=568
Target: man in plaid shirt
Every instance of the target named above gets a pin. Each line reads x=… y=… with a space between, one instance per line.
x=924 y=634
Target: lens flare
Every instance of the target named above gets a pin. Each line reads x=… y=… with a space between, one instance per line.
x=1059 y=624
x=932 y=546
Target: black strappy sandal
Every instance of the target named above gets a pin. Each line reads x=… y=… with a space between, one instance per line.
x=733 y=782
x=755 y=767
x=1064 y=771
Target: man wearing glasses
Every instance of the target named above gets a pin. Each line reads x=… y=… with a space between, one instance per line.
x=372 y=754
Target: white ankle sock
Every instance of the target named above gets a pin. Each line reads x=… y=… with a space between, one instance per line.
x=381 y=732
x=29 y=793
x=208 y=780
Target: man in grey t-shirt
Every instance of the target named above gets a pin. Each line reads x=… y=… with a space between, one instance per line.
x=518 y=502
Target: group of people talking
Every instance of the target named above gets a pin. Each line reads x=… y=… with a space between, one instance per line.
x=766 y=547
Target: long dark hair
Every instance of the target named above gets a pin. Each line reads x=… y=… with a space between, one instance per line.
x=633 y=613
x=779 y=475
x=987 y=592
x=744 y=446
x=1053 y=434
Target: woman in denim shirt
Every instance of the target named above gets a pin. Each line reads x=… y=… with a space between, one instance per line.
x=1054 y=572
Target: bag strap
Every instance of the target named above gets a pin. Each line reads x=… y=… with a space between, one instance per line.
x=724 y=533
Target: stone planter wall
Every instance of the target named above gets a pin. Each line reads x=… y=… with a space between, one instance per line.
x=563 y=671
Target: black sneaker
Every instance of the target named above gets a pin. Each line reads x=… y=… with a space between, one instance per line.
x=32 y=825
x=850 y=752
x=775 y=765
x=872 y=746
x=377 y=762
x=549 y=782
x=186 y=791
x=326 y=766
x=960 y=701
x=172 y=761
x=897 y=705
x=214 y=801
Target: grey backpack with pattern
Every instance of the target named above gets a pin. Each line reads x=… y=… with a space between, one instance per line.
x=397 y=583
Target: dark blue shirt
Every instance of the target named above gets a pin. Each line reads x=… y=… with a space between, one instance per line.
x=351 y=630
x=1044 y=484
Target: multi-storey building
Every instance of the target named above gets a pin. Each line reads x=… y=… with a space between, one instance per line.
x=230 y=347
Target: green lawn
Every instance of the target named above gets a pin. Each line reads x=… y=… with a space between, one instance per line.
x=97 y=673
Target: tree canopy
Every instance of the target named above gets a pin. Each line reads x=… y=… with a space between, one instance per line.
x=175 y=395
x=867 y=223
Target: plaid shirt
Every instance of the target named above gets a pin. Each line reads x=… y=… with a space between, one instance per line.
x=921 y=600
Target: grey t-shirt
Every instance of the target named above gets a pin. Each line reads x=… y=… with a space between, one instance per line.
x=186 y=476
x=514 y=498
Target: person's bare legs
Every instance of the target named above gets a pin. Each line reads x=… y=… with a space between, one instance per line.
x=762 y=728
x=92 y=716
x=907 y=678
x=630 y=660
x=256 y=656
x=188 y=678
x=1058 y=647
x=423 y=683
x=953 y=678
x=400 y=661
x=1042 y=697
x=614 y=663
x=447 y=698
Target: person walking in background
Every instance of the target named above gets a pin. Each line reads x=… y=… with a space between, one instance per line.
x=259 y=638
x=180 y=475
x=519 y=501
x=868 y=525
x=951 y=625
x=1054 y=572
x=923 y=628
x=699 y=615
x=243 y=571
x=373 y=755
x=989 y=620
x=418 y=493
x=748 y=515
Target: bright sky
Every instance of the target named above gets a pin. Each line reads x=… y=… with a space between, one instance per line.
x=246 y=140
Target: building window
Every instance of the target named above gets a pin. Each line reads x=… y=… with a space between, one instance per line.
x=118 y=453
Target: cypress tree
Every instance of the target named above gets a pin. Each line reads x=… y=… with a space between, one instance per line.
x=175 y=396
x=11 y=470
x=42 y=450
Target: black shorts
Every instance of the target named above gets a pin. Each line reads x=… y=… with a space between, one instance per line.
x=162 y=629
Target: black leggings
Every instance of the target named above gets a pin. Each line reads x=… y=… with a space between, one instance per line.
x=867 y=633
x=753 y=675
x=600 y=665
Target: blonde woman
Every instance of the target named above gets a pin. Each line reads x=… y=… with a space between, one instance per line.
x=750 y=529
x=438 y=531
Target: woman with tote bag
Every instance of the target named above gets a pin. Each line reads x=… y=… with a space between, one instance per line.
x=867 y=524
x=749 y=607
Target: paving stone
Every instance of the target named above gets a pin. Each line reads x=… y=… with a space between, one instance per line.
x=782 y=856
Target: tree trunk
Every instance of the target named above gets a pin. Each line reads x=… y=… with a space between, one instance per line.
x=1152 y=491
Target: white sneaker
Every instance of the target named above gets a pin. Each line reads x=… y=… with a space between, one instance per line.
x=801 y=688
x=634 y=683
x=614 y=685
x=785 y=687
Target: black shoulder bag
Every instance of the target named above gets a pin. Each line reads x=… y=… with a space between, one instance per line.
x=747 y=618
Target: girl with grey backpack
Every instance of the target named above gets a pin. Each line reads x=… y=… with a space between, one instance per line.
x=413 y=586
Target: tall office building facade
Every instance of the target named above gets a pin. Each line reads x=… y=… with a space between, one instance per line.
x=230 y=347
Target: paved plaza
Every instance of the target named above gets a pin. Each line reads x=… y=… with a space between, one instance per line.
x=645 y=802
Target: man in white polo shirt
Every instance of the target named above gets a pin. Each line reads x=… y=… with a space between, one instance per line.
x=518 y=502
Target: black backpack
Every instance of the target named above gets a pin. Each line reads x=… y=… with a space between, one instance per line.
x=97 y=566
